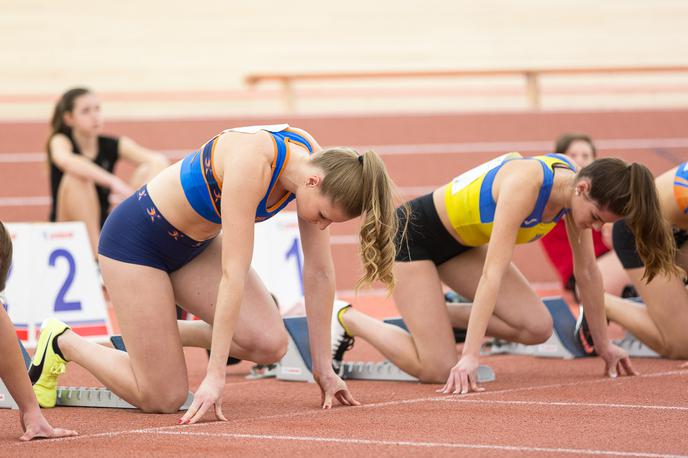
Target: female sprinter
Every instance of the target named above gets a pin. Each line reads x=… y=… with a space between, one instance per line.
x=82 y=161
x=463 y=234
x=581 y=149
x=662 y=321
x=12 y=368
x=187 y=238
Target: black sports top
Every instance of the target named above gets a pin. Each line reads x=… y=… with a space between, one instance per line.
x=108 y=153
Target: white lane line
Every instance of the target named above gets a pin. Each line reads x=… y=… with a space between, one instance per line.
x=353 y=441
x=381 y=292
x=521 y=146
x=564 y=404
x=365 y=406
x=37 y=201
x=41 y=201
x=437 y=148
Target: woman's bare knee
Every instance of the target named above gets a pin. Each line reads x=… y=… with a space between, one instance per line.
x=675 y=351
x=435 y=372
x=670 y=348
x=76 y=197
x=271 y=350
x=536 y=331
x=163 y=402
x=534 y=336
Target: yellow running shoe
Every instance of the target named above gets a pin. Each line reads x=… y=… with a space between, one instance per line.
x=47 y=365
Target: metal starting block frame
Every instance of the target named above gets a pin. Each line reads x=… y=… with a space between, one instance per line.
x=68 y=396
x=635 y=348
x=562 y=343
x=80 y=396
x=296 y=363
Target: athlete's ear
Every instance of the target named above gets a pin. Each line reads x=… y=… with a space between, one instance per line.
x=313 y=181
x=583 y=186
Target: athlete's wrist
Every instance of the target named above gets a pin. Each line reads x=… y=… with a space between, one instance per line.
x=216 y=372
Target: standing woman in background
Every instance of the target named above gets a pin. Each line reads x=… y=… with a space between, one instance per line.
x=581 y=149
x=82 y=163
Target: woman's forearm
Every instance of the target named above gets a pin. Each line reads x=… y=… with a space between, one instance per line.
x=86 y=169
x=12 y=369
x=591 y=289
x=227 y=309
x=481 y=311
x=319 y=296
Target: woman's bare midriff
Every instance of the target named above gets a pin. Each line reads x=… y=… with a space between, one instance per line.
x=168 y=195
x=441 y=207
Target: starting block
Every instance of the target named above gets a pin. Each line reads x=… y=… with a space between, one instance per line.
x=81 y=396
x=635 y=348
x=296 y=363
x=562 y=343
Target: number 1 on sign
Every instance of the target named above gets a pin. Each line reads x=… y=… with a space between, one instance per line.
x=296 y=254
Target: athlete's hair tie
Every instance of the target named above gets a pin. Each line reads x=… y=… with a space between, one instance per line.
x=360 y=159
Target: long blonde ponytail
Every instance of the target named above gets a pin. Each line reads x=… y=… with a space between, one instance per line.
x=361 y=185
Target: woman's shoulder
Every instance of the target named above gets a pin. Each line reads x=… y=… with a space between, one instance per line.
x=304 y=133
x=525 y=171
x=60 y=142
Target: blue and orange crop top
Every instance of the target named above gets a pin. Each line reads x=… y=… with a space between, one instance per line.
x=203 y=188
x=681 y=187
x=471 y=207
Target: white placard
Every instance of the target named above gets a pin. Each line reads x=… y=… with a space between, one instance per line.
x=53 y=274
x=278 y=259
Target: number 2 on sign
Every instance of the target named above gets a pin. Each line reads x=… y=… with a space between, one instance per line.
x=296 y=253
x=61 y=305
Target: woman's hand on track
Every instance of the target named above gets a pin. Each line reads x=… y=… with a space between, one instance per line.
x=463 y=377
x=209 y=393
x=35 y=426
x=332 y=386
x=617 y=361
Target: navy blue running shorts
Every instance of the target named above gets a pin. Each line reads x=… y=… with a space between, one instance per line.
x=137 y=233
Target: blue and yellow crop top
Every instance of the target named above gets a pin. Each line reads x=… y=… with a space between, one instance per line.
x=203 y=188
x=471 y=207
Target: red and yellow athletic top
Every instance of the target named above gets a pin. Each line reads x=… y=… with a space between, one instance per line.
x=471 y=207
